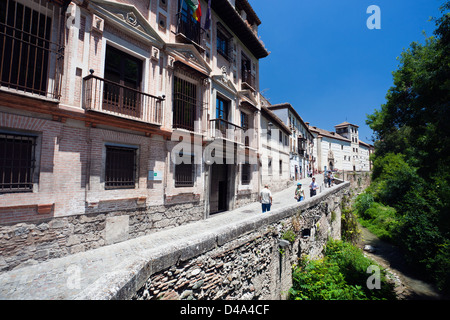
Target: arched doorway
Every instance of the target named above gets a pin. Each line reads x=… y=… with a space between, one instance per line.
x=330 y=160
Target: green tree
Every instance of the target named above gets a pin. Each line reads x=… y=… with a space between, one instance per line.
x=412 y=152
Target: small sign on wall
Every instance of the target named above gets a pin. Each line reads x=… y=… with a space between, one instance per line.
x=155 y=175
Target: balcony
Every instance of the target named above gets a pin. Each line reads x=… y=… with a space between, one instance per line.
x=30 y=62
x=111 y=98
x=223 y=129
x=301 y=152
x=188 y=28
x=248 y=80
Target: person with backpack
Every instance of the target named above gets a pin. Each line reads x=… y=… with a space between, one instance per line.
x=299 y=193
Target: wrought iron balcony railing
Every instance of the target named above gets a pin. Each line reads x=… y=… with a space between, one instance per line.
x=187 y=26
x=112 y=98
x=223 y=129
x=248 y=80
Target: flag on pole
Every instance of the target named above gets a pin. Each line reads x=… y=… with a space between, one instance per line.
x=196 y=8
x=208 y=16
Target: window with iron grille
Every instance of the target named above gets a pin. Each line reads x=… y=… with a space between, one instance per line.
x=246 y=173
x=25 y=35
x=120 y=167
x=17 y=162
x=184 y=104
x=185 y=174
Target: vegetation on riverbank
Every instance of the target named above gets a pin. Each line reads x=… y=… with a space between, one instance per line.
x=408 y=201
x=340 y=275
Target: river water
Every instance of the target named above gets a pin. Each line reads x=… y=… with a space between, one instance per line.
x=408 y=284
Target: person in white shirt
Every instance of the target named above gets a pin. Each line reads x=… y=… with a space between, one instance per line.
x=313 y=187
x=265 y=198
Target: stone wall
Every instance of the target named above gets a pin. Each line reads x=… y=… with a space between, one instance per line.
x=359 y=180
x=256 y=264
x=32 y=242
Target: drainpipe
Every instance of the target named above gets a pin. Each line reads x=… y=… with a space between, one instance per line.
x=207 y=184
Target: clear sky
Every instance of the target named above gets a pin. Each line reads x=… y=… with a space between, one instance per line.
x=327 y=63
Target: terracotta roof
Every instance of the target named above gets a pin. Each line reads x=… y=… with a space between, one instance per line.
x=344 y=124
x=249 y=10
x=328 y=134
x=274 y=117
x=291 y=108
x=237 y=25
x=368 y=145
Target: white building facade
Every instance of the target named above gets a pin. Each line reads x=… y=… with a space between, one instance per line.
x=274 y=151
x=341 y=150
x=301 y=140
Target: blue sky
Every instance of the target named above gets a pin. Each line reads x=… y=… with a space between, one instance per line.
x=327 y=63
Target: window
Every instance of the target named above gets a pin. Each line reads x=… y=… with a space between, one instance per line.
x=222 y=115
x=186 y=23
x=25 y=34
x=244 y=121
x=246 y=173
x=269 y=166
x=281 y=167
x=17 y=162
x=223 y=42
x=184 y=104
x=123 y=74
x=120 y=167
x=221 y=108
x=185 y=173
x=246 y=70
x=245 y=127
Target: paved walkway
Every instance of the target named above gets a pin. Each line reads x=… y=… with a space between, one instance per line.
x=81 y=275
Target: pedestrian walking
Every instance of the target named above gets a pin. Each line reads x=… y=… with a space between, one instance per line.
x=265 y=198
x=313 y=187
x=328 y=180
x=299 y=193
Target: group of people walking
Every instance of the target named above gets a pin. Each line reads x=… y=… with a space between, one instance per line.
x=266 y=195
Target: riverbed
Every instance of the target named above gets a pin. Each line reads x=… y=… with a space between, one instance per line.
x=408 y=284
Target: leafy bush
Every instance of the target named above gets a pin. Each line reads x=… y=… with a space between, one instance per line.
x=382 y=221
x=394 y=179
x=340 y=275
x=289 y=235
x=363 y=202
x=322 y=280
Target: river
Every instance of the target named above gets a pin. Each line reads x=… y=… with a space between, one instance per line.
x=408 y=284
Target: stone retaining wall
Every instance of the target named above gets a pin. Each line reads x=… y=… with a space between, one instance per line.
x=28 y=243
x=254 y=263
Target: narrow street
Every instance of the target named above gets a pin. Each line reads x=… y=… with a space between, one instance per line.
x=408 y=285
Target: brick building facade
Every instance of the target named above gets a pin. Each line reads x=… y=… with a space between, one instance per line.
x=94 y=99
